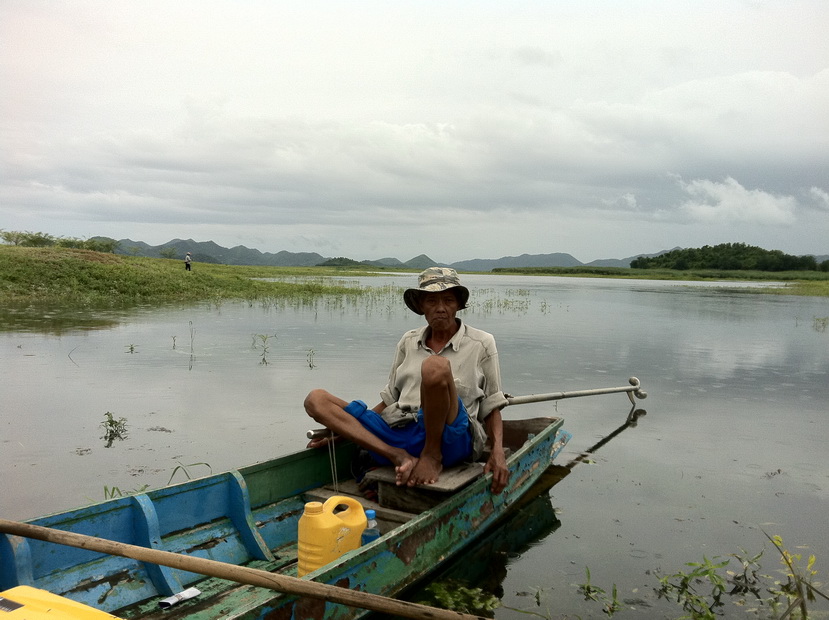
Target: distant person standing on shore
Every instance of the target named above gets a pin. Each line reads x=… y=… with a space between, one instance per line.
x=187 y=260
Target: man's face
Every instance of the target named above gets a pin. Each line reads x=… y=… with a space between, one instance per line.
x=440 y=309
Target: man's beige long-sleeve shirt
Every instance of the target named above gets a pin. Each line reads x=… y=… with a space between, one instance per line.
x=474 y=360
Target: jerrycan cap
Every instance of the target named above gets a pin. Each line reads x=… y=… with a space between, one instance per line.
x=313 y=508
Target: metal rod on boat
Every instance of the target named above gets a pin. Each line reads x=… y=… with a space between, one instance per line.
x=238 y=574
x=632 y=390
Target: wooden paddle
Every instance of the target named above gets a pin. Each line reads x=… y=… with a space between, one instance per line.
x=238 y=574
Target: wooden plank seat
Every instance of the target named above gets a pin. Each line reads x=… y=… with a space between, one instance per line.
x=424 y=496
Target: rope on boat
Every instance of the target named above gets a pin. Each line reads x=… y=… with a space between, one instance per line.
x=332 y=460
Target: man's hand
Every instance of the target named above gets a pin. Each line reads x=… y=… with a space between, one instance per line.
x=497 y=464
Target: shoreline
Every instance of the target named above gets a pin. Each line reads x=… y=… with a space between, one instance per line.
x=84 y=278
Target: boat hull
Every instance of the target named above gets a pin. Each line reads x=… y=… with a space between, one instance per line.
x=250 y=517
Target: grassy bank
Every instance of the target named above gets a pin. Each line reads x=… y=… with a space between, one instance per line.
x=86 y=278
x=806 y=283
x=73 y=277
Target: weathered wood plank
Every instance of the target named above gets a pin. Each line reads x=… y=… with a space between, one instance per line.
x=451 y=479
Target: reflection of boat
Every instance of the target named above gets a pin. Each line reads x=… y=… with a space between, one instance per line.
x=533 y=518
x=484 y=564
x=249 y=517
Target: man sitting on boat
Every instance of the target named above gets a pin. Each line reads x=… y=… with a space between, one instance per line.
x=443 y=398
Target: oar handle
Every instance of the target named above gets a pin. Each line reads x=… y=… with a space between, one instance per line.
x=634 y=389
x=238 y=574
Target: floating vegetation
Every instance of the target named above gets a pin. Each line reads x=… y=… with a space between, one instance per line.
x=820 y=323
x=454 y=595
x=113 y=429
x=131 y=348
x=311 y=364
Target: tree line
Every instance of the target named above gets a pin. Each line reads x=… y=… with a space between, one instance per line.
x=730 y=257
x=45 y=240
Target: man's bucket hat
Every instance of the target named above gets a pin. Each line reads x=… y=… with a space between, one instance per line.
x=434 y=280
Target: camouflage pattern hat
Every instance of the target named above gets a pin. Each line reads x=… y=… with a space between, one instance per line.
x=434 y=280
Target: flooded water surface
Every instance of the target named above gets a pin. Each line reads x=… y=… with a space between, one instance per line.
x=732 y=443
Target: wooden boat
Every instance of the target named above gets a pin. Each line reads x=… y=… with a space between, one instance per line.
x=249 y=517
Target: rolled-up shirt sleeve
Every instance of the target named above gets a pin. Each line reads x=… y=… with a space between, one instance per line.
x=494 y=397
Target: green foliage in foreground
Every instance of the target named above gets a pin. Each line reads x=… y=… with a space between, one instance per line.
x=85 y=278
x=702 y=592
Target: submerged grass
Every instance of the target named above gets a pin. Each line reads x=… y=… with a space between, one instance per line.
x=86 y=278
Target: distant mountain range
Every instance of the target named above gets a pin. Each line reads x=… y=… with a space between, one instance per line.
x=210 y=252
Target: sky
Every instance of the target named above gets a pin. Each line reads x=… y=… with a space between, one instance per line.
x=456 y=129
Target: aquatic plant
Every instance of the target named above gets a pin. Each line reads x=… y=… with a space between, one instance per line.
x=454 y=595
x=192 y=335
x=311 y=354
x=701 y=591
x=704 y=590
x=610 y=604
x=260 y=341
x=799 y=587
x=183 y=468
x=113 y=492
x=113 y=429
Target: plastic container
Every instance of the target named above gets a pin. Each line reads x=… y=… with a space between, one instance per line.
x=325 y=535
x=27 y=603
x=371 y=532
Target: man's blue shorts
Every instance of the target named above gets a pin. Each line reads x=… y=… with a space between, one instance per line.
x=456 y=444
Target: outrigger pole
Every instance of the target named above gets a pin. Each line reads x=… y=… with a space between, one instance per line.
x=632 y=390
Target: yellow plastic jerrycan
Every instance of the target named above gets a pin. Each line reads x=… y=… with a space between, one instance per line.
x=324 y=535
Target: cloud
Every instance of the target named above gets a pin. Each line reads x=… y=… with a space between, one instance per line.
x=537 y=56
x=226 y=119
x=821 y=197
x=728 y=202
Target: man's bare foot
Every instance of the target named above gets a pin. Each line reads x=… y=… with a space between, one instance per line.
x=427 y=471
x=403 y=468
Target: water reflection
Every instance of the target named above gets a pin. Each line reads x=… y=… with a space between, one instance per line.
x=530 y=522
x=55 y=321
x=483 y=567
